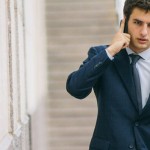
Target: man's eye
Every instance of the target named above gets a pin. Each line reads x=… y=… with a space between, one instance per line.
x=137 y=22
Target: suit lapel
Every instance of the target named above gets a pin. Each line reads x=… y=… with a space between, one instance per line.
x=146 y=109
x=122 y=64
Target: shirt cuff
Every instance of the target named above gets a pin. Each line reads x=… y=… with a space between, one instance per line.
x=110 y=57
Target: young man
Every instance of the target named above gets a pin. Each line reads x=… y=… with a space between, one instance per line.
x=121 y=86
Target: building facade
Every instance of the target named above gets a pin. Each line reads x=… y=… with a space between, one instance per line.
x=22 y=73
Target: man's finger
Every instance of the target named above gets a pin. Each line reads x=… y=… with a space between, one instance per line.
x=122 y=25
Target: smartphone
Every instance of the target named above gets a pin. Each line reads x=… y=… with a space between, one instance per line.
x=125 y=27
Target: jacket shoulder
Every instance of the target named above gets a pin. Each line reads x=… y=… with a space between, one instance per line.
x=96 y=49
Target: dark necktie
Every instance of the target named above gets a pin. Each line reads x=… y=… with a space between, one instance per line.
x=136 y=79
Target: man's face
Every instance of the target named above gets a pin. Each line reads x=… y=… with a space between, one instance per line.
x=139 y=29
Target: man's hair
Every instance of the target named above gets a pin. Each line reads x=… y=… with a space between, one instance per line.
x=131 y=4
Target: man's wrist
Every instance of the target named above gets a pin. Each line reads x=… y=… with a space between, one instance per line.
x=108 y=54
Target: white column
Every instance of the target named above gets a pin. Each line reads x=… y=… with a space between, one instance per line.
x=36 y=64
x=4 y=78
x=119 y=9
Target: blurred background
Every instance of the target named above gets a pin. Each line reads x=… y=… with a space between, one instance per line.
x=41 y=43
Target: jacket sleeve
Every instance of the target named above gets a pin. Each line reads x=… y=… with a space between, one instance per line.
x=80 y=83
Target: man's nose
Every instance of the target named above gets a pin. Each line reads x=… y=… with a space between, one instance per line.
x=144 y=30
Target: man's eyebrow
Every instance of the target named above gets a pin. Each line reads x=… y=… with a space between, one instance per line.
x=140 y=21
x=137 y=20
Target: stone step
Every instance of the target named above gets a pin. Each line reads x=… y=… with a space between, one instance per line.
x=108 y=18
x=69 y=148
x=69 y=1
x=69 y=142
x=56 y=94
x=79 y=6
x=106 y=2
x=69 y=112
x=71 y=102
x=56 y=59
x=58 y=75
x=78 y=54
x=105 y=39
x=90 y=105
x=58 y=85
x=79 y=23
x=95 y=13
x=68 y=68
x=70 y=48
x=69 y=131
x=72 y=122
x=79 y=31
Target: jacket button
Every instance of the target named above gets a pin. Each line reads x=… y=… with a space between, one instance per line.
x=136 y=124
x=131 y=146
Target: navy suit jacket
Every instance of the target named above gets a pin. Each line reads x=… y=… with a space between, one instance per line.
x=119 y=124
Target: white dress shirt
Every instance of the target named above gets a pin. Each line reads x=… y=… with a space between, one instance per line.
x=143 y=67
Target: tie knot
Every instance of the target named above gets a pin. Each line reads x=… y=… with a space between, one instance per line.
x=134 y=58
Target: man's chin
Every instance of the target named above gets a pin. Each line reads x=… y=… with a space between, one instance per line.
x=143 y=47
x=140 y=47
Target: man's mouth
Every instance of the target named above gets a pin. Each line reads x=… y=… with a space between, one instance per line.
x=142 y=41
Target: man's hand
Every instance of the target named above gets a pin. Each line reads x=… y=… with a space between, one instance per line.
x=120 y=40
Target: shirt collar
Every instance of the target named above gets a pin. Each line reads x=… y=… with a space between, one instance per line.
x=145 y=54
